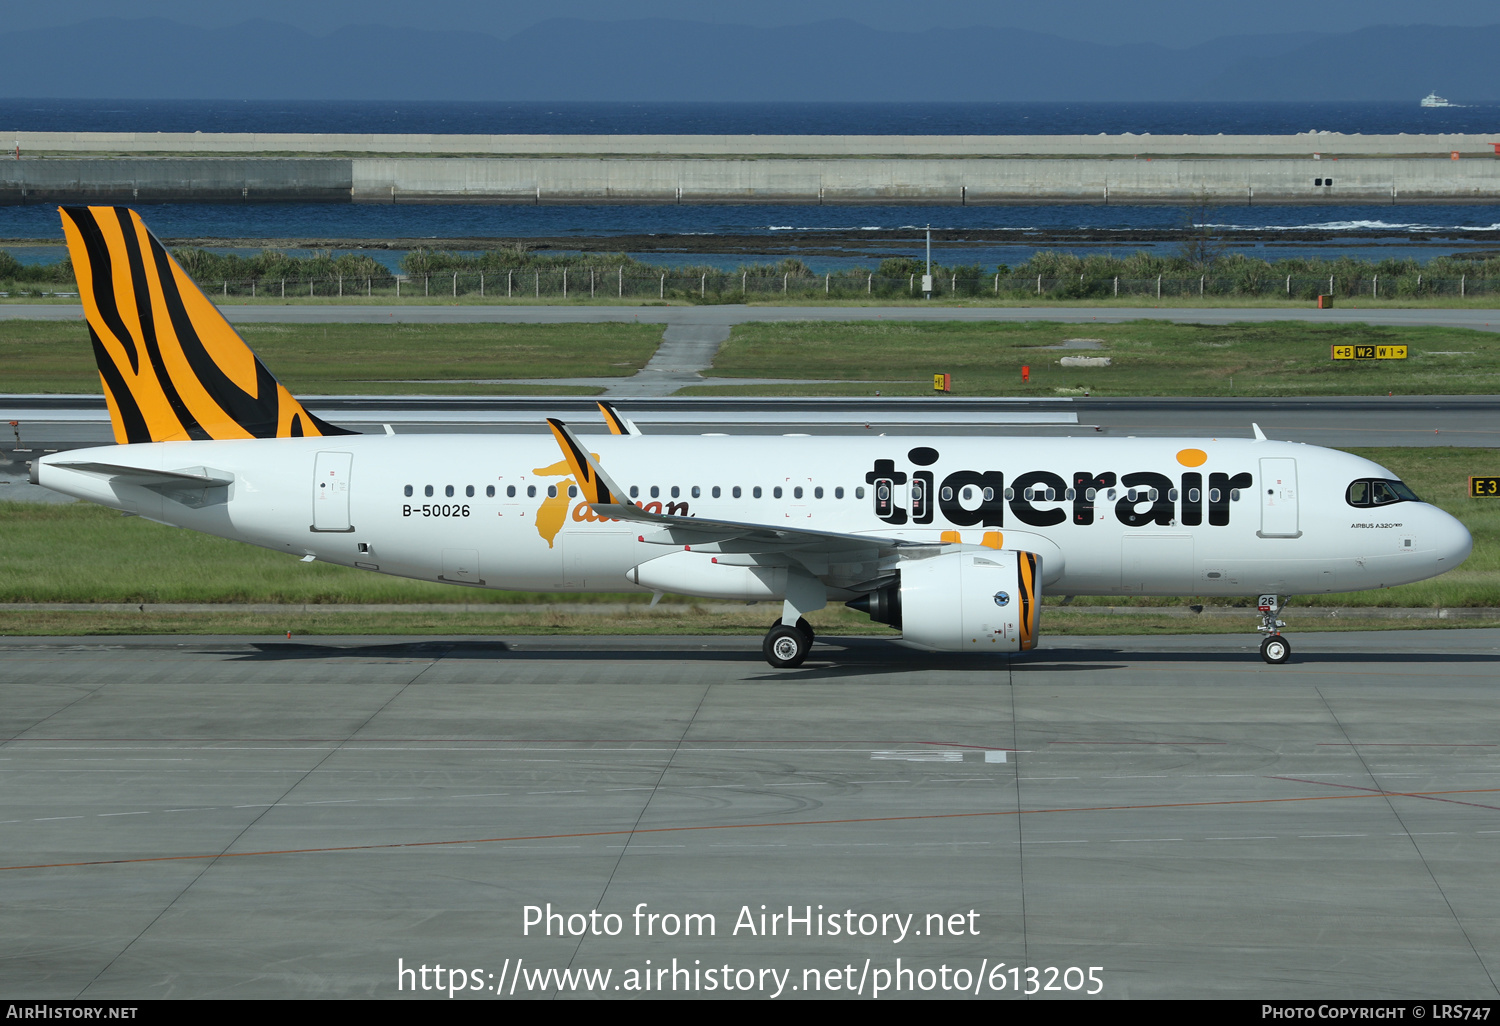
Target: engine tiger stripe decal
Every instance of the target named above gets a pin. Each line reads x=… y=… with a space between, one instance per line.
x=1026 y=578
x=172 y=367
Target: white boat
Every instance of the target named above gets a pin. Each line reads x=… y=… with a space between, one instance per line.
x=1434 y=100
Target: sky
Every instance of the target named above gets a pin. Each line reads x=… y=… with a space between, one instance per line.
x=1171 y=22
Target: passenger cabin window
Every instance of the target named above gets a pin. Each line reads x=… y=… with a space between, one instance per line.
x=635 y=491
x=448 y=491
x=755 y=491
x=531 y=491
x=489 y=491
x=735 y=491
x=838 y=493
x=510 y=491
x=776 y=492
x=1378 y=493
x=408 y=489
x=427 y=491
x=859 y=492
x=469 y=491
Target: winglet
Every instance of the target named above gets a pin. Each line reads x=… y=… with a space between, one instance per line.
x=596 y=485
x=1260 y=436
x=618 y=425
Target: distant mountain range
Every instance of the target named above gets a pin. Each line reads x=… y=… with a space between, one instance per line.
x=662 y=60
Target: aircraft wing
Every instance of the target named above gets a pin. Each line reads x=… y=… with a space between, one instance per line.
x=734 y=536
x=841 y=560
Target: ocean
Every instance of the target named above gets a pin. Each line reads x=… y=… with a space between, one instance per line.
x=960 y=118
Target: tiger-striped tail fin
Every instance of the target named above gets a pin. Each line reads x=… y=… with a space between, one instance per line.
x=172 y=367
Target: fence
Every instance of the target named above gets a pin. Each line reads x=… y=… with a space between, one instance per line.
x=730 y=286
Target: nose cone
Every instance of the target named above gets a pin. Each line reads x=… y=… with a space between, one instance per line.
x=1451 y=541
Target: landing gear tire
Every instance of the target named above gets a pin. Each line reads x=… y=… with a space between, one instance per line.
x=785 y=647
x=803 y=626
x=1275 y=649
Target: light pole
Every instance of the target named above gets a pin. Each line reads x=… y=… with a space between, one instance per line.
x=927 y=278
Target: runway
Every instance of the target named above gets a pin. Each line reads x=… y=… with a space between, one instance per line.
x=65 y=422
x=243 y=817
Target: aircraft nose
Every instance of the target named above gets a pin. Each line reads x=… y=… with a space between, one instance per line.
x=1451 y=541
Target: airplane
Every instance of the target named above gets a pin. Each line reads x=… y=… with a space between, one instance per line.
x=952 y=541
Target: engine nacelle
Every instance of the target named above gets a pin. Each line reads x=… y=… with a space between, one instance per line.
x=964 y=601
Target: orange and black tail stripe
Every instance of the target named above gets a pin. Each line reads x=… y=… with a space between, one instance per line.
x=172 y=367
x=1031 y=598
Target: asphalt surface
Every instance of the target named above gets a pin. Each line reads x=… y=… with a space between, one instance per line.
x=255 y=818
x=51 y=422
x=240 y=817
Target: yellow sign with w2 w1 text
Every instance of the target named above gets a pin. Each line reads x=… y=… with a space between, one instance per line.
x=1369 y=352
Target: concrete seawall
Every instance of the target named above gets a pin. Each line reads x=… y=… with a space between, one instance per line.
x=888 y=180
x=1126 y=145
x=174 y=181
x=915 y=181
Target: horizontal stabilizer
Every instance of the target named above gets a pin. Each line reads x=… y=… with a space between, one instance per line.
x=194 y=487
x=188 y=477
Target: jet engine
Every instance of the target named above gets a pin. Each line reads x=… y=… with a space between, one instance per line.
x=963 y=601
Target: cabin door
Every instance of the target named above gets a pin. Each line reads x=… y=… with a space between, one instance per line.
x=1278 y=498
x=331 y=492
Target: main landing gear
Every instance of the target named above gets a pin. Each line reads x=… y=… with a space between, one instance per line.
x=1273 y=647
x=785 y=647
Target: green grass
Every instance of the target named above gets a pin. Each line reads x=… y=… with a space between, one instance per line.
x=1148 y=358
x=84 y=553
x=363 y=359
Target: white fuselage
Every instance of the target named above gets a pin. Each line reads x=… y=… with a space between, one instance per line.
x=1226 y=517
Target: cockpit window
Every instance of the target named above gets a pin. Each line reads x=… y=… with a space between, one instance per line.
x=1378 y=493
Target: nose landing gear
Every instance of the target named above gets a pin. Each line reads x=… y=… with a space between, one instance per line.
x=1273 y=648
